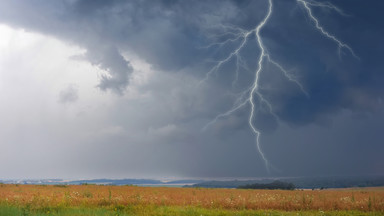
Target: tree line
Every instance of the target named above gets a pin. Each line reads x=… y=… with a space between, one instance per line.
x=270 y=186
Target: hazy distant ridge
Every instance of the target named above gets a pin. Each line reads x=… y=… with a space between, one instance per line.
x=299 y=182
x=302 y=182
x=102 y=182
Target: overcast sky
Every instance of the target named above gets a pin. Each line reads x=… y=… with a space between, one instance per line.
x=146 y=89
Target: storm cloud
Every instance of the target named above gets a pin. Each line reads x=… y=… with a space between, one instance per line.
x=150 y=58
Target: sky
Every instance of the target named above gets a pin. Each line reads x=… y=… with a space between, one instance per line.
x=191 y=89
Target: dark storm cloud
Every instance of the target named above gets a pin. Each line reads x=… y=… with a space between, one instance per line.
x=174 y=37
x=109 y=59
x=160 y=32
x=170 y=34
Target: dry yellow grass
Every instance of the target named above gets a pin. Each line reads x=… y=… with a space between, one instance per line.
x=93 y=195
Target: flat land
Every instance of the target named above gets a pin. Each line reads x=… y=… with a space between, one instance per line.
x=132 y=200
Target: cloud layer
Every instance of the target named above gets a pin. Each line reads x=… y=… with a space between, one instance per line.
x=150 y=57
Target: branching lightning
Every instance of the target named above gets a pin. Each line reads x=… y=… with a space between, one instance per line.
x=256 y=85
x=339 y=43
x=252 y=95
x=324 y=5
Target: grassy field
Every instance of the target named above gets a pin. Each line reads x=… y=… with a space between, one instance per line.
x=131 y=200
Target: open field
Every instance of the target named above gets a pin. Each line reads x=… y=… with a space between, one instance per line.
x=131 y=200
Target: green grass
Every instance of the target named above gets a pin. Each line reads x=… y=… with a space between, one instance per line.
x=22 y=211
x=139 y=210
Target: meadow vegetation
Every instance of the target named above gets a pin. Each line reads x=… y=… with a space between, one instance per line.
x=131 y=200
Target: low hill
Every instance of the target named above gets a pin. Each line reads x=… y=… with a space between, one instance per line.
x=302 y=182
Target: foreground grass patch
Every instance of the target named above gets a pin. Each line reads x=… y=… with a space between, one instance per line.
x=140 y=210
x=88 y=200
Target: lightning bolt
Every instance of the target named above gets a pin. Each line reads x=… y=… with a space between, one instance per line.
x=340 y=44
x=253 y=94
x=243 y=36
x=324 y=5
x=256 y=85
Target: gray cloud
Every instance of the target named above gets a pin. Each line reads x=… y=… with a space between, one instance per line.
x=69 y=94
x=110 y=60
x=180 y=40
